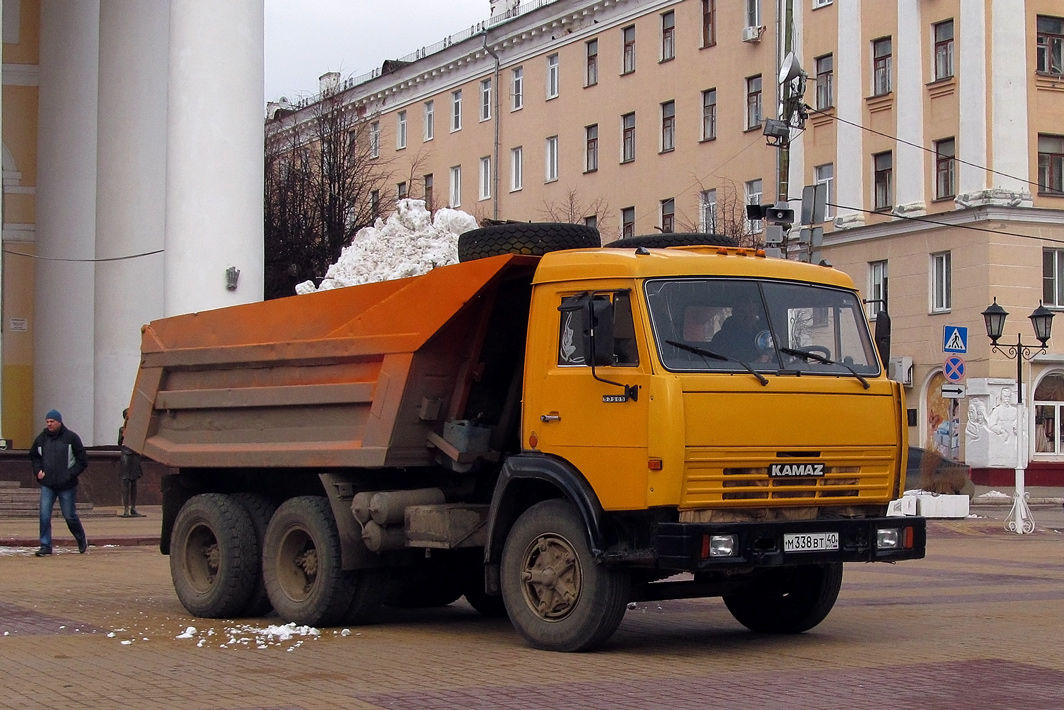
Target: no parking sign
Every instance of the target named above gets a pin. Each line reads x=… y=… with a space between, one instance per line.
x=953 y=369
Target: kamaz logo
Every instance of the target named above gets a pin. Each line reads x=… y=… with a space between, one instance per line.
x=789 y=470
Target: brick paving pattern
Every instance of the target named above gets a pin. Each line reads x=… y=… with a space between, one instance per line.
x=977 y=624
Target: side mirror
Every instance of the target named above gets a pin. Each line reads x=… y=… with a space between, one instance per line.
x=598 y=336
x=883 y=336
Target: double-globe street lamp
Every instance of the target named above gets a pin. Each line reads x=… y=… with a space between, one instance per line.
x=1020 y=520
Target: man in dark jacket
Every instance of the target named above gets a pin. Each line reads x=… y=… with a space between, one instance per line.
x=58 y=458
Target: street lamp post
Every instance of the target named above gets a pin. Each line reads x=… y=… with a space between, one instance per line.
x=1020 y=520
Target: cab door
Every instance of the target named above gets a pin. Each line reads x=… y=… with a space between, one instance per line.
x=593 y=417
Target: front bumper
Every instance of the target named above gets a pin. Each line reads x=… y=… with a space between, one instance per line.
x=684 y=546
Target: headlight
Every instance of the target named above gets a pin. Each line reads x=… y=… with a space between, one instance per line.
x=888 y=538
x=722 y=546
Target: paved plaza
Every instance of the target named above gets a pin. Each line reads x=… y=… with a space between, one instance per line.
x=978 y=624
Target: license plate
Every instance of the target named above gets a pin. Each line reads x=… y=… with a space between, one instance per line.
x=810 y=542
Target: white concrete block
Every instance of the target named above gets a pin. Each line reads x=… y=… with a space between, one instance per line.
x=941 y=506
x=906 y=505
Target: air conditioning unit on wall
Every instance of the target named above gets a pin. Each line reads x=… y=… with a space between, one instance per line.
x=751 y=34
x=900 y=369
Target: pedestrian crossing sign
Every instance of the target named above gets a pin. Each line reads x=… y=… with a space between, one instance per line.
x=955 y=339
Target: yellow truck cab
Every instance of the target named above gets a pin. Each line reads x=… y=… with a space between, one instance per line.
x=552 y=436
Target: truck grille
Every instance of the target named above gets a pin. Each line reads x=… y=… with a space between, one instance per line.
x=731 y=478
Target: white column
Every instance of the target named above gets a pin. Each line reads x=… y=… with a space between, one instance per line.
x=66 y=212
x=972 y=97
x=850 y=158
x=214 y=154
x=1009 y=133
x=131 y=196
x=909 y=171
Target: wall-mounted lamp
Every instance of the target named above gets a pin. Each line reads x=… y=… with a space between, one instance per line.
x=231 y=276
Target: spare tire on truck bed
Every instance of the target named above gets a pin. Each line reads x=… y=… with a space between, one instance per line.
x=531 y=238
x=674 y=239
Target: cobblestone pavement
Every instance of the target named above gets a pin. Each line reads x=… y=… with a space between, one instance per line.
x=977 y=624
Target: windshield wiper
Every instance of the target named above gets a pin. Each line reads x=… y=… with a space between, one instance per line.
x=716 y=356
x=807 y=356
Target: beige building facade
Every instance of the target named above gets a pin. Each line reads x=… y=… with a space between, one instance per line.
x=937 y=127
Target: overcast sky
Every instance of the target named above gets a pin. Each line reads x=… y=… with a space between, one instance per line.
x=306 y=38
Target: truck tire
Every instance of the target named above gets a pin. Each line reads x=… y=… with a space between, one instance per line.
x=674 y=239
x=260 y=509
x=531 y=238
x=557 y=596
x=369 y=587
x=213 y=556
x=787 y=600
x=301 y=564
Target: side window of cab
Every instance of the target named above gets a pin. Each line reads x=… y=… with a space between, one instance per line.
x=573 y=333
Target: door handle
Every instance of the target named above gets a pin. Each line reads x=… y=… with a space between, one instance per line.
x=552 y=417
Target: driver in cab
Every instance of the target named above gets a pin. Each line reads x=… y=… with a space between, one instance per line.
x=737 y=337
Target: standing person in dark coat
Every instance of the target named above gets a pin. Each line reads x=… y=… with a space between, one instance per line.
x=58 y=458
x=129 y=467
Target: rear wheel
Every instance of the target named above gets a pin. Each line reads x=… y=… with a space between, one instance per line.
x=557 y=596
x=674 y=239
x=260 y=509
x=213 y=556
x=787 y=600
x=531 y=238
x=302 y=567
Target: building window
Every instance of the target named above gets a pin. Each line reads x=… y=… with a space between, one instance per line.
x=375 y=139
x=877 y=288
x=1050 y=164
x=517 y=89
x=628 y=52
x=881 y=66
x=883 y=169
x=552 y=159
x=627 y=137
x=1050 y=45
x=709 y=114
x=668 y=36
x=430 y=118
x=707 y=211
x=485 y=177
x=428 y=191
x=753 y=197
x=517 y=168
x=709 y=23
x=668 y=126
x=485 y=100
x=400 y=130
x=825 y=175
x=375 y=203
x=1048 y=402
x=591 y=66
x=552 y=76
x=591 y=221
x=945 y=171
x=400 y=191
x=1053 y=277
x=943 y=32
x=753 y=13
x=456 y=186
x=668 y=215
x=456 y=110
x=820 y=3
x=591 y=148
x=941 y=282
x=753 y=102
x=825 y=79
x=627 y=222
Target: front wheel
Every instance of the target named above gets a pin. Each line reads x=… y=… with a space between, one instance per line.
x=787 y=600
x=556 y=595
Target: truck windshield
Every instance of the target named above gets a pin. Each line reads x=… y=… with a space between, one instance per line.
x=715 y=324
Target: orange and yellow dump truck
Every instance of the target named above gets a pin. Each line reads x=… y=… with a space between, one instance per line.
x=552 y=437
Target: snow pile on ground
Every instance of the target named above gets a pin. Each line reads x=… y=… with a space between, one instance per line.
x=410 y=242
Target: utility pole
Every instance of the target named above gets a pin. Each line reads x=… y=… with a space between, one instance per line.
x=783 y=157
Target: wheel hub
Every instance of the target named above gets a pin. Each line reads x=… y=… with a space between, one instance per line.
x=551 y=577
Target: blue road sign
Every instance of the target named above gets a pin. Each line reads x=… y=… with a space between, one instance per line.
x=955 y=339
x=953 y=369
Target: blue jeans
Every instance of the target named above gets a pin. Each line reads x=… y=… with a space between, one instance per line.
x=68 y=504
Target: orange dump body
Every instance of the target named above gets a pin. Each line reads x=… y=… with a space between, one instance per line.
x=352 y=377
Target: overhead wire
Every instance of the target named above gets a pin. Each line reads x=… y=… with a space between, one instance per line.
x=83 y=261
